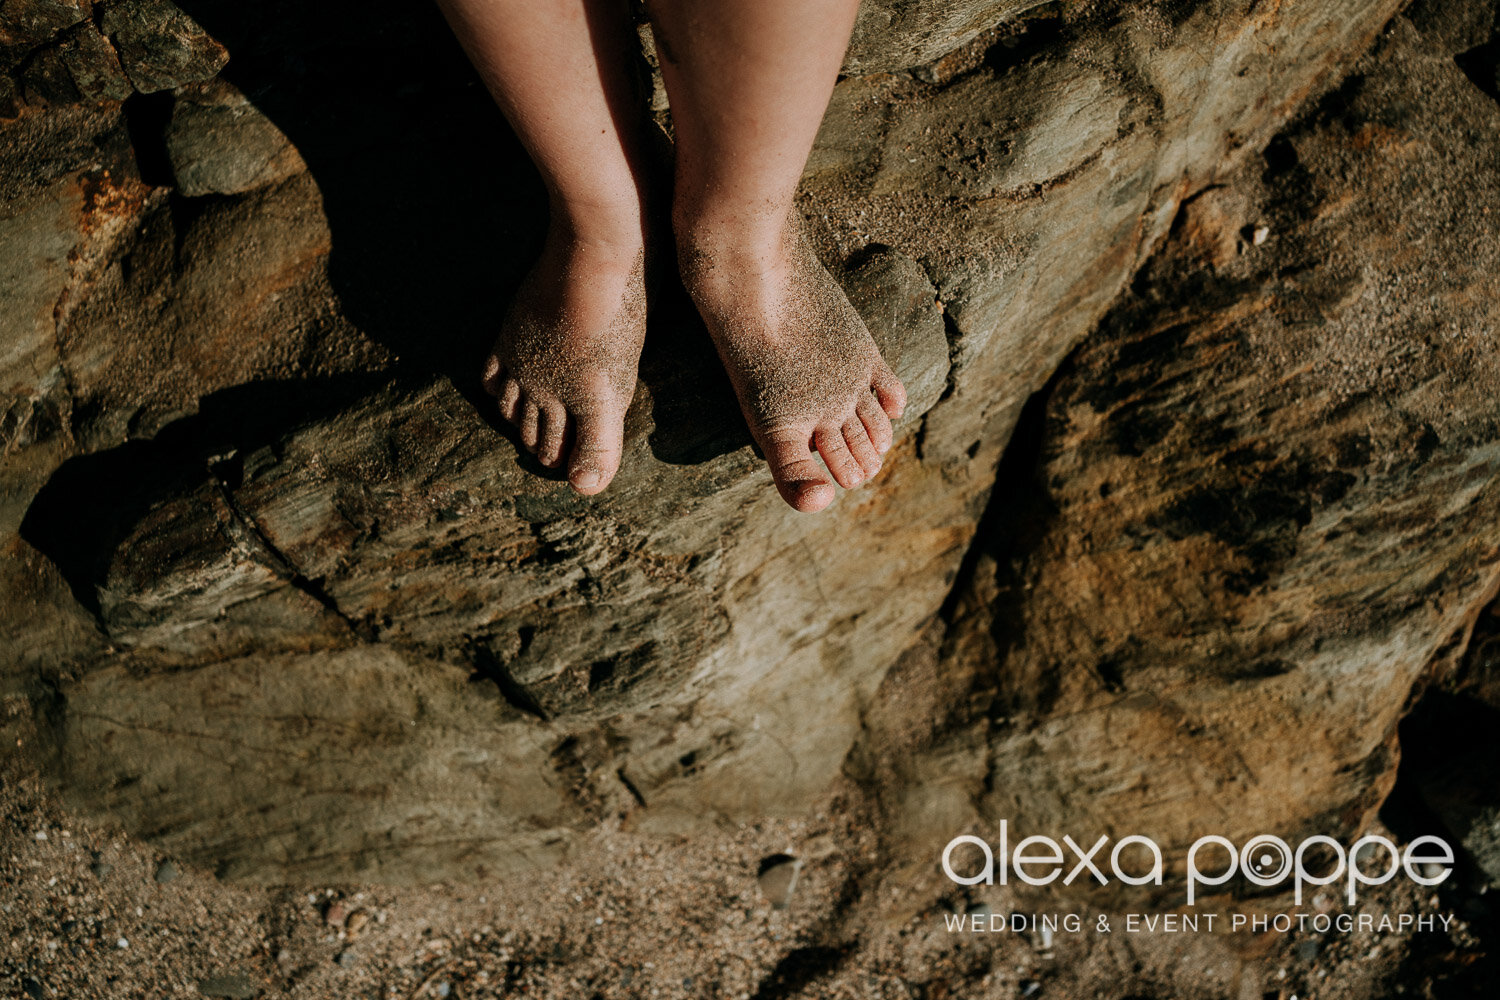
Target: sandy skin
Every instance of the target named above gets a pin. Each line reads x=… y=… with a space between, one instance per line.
x=809 y=378
x=563 y=368
x=748 y=83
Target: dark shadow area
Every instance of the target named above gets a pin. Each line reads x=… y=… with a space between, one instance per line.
x=693 y=405
x=800 y=968
x=434 y=208
x=1447 y=783
x=92 y=503
x=1482 y=66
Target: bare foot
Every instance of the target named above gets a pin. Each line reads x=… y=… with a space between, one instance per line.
x=564 y=365
x=808 y=375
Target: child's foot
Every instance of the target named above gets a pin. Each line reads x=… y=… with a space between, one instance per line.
x=564 y=365
x=808 y=375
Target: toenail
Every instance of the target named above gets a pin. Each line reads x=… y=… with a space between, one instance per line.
x=586 y=479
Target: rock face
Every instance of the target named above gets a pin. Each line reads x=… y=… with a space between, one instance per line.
x=1256 y=504
x=289 y=603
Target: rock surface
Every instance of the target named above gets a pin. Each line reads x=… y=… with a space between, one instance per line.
x=1256 y=505
x=289 y=604
x=1218 y=281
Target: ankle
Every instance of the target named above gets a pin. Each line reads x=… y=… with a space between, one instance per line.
x=723 y=246
x=601 y=229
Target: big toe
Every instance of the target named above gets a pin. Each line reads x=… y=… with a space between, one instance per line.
x=890 y=392
x=807 y=497
x=598 y=444
x=799 y=478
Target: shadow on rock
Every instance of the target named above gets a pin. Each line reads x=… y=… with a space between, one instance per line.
x=93 y=503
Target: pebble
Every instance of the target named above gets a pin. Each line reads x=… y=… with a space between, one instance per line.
x=122 y=943
x=231 y=986
x=1307 y=950
x=443 y=989
x=335 y=914
x=1261 y=234
x=166 y=872
x=346 y=958
x=778 y=878
x=355 y=922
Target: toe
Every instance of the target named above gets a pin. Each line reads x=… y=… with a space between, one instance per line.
x=858 y=442
x=798 y=476
x=510 y=400
x=530 y=418
x=877 y=424
x=844 y=466
x=493 y=375
x=599 y=441
x=552 y=428
x=890 y=392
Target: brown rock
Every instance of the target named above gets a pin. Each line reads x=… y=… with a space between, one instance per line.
x=29 y=22
x=899 y=34
x=220 y=143
x=160 y=46
x=1252 y=508
x=255 y=514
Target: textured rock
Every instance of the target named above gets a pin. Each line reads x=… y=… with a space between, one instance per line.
x=899 y=34
x=287 y=602
x=160 y=46
x=220 y=143
x=28 y=22
x=81 y=66
x=1255 y=506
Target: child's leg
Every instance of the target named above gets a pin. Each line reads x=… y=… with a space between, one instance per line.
x=748 y=82
x=564 y=365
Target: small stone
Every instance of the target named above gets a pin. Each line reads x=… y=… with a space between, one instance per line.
x=346 y=958
x=1029 y=987
x=123 y=943
x=1260 y=235
x=166 y=872
x=1307 y=950
x=355 y=922
x=231 y=986
x=778 y=878
x=335 y=914
x=41 y=835
x=443 y=989
x=979 y=910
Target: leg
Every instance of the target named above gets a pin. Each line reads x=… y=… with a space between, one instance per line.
x=564 y=364
x=748 y=82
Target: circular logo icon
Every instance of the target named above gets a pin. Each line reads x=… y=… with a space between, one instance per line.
x=1266 y=860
